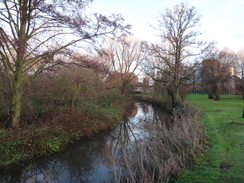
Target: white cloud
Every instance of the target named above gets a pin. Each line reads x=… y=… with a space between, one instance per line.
x=221 y=19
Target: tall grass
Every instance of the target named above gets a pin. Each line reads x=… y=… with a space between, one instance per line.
x=172 y=146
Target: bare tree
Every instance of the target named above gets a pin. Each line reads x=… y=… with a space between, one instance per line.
x=179 y=38
x=239 y=66
x=33 y=32
x=240 y=63
x=124 y=58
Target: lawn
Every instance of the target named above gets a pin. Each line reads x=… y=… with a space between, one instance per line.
x=223 y=159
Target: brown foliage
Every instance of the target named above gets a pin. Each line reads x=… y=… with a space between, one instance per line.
x=215 y=74
x=64 y=83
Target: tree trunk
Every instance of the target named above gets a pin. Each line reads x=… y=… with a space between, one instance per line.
x=74 y=98
x=15 y=107
x=210 y=91
x=210 y=96
x=15 y=110
x=17 y=84
x=177 y=94
x=172 y=95
x=217 y=92
x=217 y=97
x=176 y=84
x=124 y=88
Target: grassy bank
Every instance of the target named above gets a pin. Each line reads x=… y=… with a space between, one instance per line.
x=18 y=146
x=223 y=159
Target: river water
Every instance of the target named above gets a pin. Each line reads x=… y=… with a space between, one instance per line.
x=91 y=160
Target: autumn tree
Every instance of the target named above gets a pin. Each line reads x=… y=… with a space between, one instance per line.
x=34 y=32
x=179 y=43
x=217 y=73
x=124 y=58
x=214 y=74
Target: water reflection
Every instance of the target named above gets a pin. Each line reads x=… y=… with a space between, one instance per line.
x=93 y=160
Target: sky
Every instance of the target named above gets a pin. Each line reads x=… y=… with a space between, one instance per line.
x=222 y=20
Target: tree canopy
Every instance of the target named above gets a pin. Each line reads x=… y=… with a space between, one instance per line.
x=34 y=33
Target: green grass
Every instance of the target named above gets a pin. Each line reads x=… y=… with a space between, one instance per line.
x=223 y=159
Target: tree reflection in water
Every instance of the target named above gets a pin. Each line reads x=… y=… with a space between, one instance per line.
x=100 y=159
x=129 y=138
x=81 y=162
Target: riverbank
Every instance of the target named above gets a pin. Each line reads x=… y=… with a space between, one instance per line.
x=155 y=101
x=222 y=161
x=19 y=146
x=175 y=147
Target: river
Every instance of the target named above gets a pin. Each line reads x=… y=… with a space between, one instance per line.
x=92 y=160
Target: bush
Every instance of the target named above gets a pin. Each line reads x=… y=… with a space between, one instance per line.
x=65 y=89
x=101 y=112
x=109 y=97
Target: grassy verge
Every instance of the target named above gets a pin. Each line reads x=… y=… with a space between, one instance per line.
x=18 y=146
x=223 y=159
